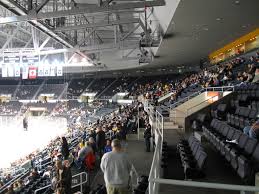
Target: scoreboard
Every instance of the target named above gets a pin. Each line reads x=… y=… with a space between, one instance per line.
x=27 y=65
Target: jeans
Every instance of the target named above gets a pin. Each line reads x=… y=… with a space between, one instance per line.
x=147 y=142
x=117 y=190
x=248 y=131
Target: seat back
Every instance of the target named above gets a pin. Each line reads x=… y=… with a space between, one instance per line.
x=250 y=146
x=256 y=153
x=246 y=112
x=252 y=114
x=231 y=132
x=202 y=159
x=237 y=135
x=225 y=130
x=242 y=140
x=237 y=110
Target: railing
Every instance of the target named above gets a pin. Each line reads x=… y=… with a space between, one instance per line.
x=155 y=179
x=5 y=186
x=82 y=180
x=172 y=106
x=160 y=125
x=212 y=99
x=219 y=89
x=201 y=185
x=155 y=166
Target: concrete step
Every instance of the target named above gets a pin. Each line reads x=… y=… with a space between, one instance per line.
x=170 y=125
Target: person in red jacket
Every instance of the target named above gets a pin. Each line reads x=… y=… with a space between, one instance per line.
x=90 y=160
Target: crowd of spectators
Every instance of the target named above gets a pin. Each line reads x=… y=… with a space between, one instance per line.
x=94 y=138
x=229 y=73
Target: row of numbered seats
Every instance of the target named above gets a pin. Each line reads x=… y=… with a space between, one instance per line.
x=193 y=157
x=235 y=146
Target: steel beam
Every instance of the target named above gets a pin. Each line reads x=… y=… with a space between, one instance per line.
x=130 y=32
x=96 y=25
x=20 y=12
x=44 y=43
x=43 y=3
x=93 y=49
x=58 y=14
x=10 y=38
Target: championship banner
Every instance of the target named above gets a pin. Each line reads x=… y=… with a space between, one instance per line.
x=10 y=70
x=32 y=72
x=46 y=71
x=25 y=71
x=4 y=70
x=59 y=70
x=40 y=71
x=53 y=70
x=17 y=71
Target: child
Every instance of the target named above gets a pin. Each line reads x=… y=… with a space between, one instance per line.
x=108 y=147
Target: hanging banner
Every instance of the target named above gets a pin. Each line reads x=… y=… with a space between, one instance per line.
x=17 y=71
x=53 y=70
x=60 y=70
x=10 y=70
x=25 y=71
x=40 y=71
x=46 y=71
x=32 y=72
x=4 y=70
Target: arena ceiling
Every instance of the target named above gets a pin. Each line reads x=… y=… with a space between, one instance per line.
x=106 y=33
x=202 y=26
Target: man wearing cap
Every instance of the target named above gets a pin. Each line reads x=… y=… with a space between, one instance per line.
x=116 y=168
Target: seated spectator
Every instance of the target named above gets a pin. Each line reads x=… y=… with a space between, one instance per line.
x=10 y=190
x=253 y=130
x=108 y=147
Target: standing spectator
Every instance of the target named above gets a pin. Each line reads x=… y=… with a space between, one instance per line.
x=116 y=168
x=64 y=177
x=82 y=155
x=100 y=141
x=108 y=147
x=147 y=136
x=64 y=148
x=92 y=144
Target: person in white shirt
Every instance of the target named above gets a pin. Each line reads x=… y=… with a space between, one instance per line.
x=116 y=168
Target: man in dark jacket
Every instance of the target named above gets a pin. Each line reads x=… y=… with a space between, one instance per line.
x=147 y=136
x=64 y=148
x=100 y=141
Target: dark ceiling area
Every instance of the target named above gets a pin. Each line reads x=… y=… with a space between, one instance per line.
x=202 y=26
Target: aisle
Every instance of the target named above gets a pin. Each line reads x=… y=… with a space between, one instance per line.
x=136 y=152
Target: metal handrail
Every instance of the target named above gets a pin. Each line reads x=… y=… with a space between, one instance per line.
x=209 y=185
x=172 y=106
x=187 y=112
x=186 y=98
x=79 y=184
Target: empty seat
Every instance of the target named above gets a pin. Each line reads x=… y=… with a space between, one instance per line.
x=247 y=151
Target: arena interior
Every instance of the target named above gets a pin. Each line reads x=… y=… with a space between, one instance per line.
x=175 y=81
